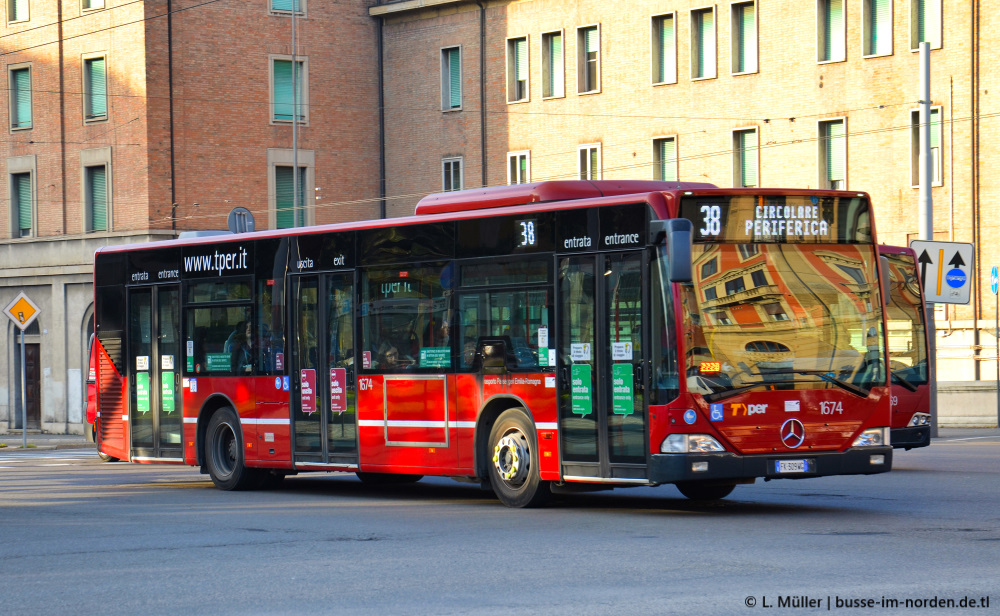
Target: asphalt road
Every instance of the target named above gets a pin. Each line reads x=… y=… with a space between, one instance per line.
x=81 y=537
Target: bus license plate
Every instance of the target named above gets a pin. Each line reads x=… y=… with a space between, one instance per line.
x=792 y=466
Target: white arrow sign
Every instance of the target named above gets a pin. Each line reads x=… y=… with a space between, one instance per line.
x=945 y=270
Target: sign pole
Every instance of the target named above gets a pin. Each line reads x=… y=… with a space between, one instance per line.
x=24 y=397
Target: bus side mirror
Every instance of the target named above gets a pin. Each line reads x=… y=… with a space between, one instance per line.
x=884 y=278
x=678 y=234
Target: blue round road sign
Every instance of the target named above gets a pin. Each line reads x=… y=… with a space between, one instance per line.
x=955 y=278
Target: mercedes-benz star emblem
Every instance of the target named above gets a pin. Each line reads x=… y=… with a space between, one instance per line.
x=793 y=433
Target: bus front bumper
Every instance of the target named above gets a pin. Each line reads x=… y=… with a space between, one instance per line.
x=724 y=467
x=910 y=437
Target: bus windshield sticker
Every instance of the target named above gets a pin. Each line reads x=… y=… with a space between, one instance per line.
x=338 y=396
x=621 y=351
x=307 y=393
x=194 y=385
x=791 y=406
x=142 y=362
x=622 y=396
x=142 y=392
x=366 y=360
x=543 y=337
x=167 y=362
x=580 y=351
x=582 y=403
x=167 y=387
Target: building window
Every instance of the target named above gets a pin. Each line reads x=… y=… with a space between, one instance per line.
x=21 y=203
x=517 y=69
x=775 y=312
x=721 y=318
x=833 y=154
x=95 y=89
x=89 y=5
x=709 y=268
x=759 y=278
x=588 y=42
x=703 y=43
x=936 y=174
x=553 y=66
x=735 y=286
x=877 y=27
x=20 y=97
x=518 y=167
x=744 y=39
x=664 y=49
x=451 y=174
x=747 y=250
x=830 y=34
x=590 y=161
x=745 y=158
x=710 y=294
x=288 y=212
x=96 y=190
x=288 y=6
x=17 y=10
x=925 y=23
x=289 y=93
x=665 y=159
x=451 y=78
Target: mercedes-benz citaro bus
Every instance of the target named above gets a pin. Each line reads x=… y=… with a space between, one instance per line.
x=536 y=338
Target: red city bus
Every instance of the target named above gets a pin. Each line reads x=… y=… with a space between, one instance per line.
x=544 y=337
x=908 y=350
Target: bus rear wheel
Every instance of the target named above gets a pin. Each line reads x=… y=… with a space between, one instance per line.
x=697 y=490
x=513 y=461
x=224 y=453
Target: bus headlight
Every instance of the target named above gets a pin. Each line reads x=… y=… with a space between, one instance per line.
x=920 y=419
x=872 y=437
x=690 y=443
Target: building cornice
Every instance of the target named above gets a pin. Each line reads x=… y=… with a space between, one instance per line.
x=407 y=6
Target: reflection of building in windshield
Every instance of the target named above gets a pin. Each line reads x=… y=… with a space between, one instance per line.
x=904 y=320
x=761 y=307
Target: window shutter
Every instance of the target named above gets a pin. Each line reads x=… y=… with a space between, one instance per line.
x=834 y=48
x=286 y=215
x=591 y=42
x=668 y=160
x=285 y=5
x=747 y=60
x=881 y=22
x=98 y=188
x=935 y=128
x=22 y=192
x=284 y=81
x=22 y=98
x=931 y=17
x=667 y=62
x=521 y=60
x=836 y=151
x=556 y=64
x=705 y=31
x=98 y=92
x=454 y=79
x=748 y=157
x=20 y=10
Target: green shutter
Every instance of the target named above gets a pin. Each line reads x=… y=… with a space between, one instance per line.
x=286 y=215
x=833 y=44
x=836 y=151
x=705 y=33
x=556 y=68
x=928 y=21
x=21 y=79
x=880 y=14
x=454 y=79
x=591 y=43
x=20 y=10
x=97 y=195
x=746 y=44
x=22 y=193
x=285 y=5
x=747 y=141
x=935 y=128
x=667 y=152
x=284 y=101
x=666 y=60
x=97 y=88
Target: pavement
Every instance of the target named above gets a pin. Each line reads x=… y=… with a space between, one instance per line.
x=13 y=439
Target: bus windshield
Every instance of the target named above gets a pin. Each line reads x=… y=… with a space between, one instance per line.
x=905 y=320
x=782 y=317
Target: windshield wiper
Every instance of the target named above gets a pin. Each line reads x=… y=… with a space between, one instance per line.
x=826 y=376
x=728 y=393
x=903 y=382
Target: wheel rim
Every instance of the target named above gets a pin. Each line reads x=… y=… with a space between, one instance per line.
x=225 y=451
x=512 y=458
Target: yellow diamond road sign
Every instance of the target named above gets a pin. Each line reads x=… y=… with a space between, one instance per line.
x=22 y=311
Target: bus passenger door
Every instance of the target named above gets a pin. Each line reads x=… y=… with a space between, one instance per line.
x=603 y=406
x=324 y=415
x=153 y=356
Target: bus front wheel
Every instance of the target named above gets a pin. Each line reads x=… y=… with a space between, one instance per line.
x=224 y=453
x=100 y=454
x=513 y=461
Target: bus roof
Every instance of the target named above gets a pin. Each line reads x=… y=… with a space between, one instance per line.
x=540 y=192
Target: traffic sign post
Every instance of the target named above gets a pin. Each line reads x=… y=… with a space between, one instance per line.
x=23 y=312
